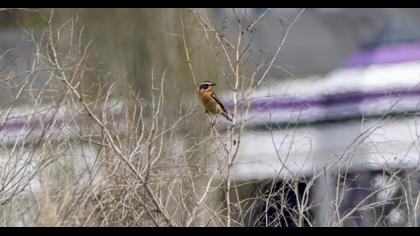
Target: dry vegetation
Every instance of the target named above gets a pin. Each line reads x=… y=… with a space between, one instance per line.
x=108 y=146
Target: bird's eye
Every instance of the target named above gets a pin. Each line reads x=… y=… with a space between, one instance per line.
x=204 y=86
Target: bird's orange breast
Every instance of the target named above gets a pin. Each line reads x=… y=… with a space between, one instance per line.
x=208 y=102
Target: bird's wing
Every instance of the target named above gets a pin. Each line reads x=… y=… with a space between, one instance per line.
x=218 y=101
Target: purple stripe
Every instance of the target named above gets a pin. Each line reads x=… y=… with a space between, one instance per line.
x=18 y=125
x=11 y=125
x=327 y=101
x=395 y=53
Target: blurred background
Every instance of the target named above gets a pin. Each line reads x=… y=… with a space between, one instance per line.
x=321 y=41
x=342 y=93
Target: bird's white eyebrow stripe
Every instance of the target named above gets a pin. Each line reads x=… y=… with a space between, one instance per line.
x=207 y=82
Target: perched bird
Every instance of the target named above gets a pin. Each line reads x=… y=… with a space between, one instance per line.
x=210 y=102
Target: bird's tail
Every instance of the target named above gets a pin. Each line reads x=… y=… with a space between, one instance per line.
x=226 y=116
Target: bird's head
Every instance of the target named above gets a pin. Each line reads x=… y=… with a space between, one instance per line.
x=206 y=86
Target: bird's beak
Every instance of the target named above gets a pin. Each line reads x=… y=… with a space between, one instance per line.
x=212 y=84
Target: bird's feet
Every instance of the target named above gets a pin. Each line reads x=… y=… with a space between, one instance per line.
x=213 y=123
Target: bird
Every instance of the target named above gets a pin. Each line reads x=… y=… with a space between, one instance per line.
x=209 y=100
